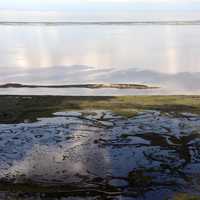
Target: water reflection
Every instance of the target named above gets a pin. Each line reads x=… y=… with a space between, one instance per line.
x=161 y=152
x=164 y=49
x=54 y=149
x=179 y=83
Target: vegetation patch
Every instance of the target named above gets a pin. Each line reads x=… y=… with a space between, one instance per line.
x=185 y=197
x=127 y=113
x=14 y=109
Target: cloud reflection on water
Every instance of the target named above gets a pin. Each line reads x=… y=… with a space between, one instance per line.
x=167 y=56
x=148 y=47
x=78 y=74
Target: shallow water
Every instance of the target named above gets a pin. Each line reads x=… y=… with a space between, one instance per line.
x=96 y=92
x=152 y=155
x=164 y=55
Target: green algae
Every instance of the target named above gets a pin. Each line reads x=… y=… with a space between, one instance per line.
x=14 y=109
x=125 y=136
x=126 y=113
x=138 y=178
x=186 y=197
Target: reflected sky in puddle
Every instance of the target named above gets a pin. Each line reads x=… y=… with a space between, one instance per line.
x=161 y=151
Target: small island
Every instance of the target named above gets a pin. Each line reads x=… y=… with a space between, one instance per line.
x=90 y=86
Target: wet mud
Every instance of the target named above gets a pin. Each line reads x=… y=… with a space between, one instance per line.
x=97 y=154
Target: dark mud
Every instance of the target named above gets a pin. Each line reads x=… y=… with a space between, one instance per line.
x=98 y=154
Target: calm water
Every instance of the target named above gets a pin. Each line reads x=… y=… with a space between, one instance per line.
x=165 y=55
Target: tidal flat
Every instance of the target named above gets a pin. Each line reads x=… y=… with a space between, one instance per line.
x=129 y=147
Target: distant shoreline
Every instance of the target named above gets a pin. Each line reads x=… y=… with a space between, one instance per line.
x=90 y=86
x=50 y=23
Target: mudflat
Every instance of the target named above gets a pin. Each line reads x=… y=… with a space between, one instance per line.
x=99 y=147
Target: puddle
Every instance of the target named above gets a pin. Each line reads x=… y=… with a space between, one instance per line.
x=98 y=153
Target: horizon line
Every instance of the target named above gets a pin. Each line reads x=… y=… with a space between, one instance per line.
x=114 y=22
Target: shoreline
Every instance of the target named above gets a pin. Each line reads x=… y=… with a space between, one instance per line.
x=104 y=23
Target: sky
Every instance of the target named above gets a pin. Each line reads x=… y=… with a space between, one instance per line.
x=99 y=5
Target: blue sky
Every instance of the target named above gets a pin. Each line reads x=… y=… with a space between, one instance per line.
x=99 y=5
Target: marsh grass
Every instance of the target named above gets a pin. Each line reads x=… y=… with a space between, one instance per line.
x=14 y=109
